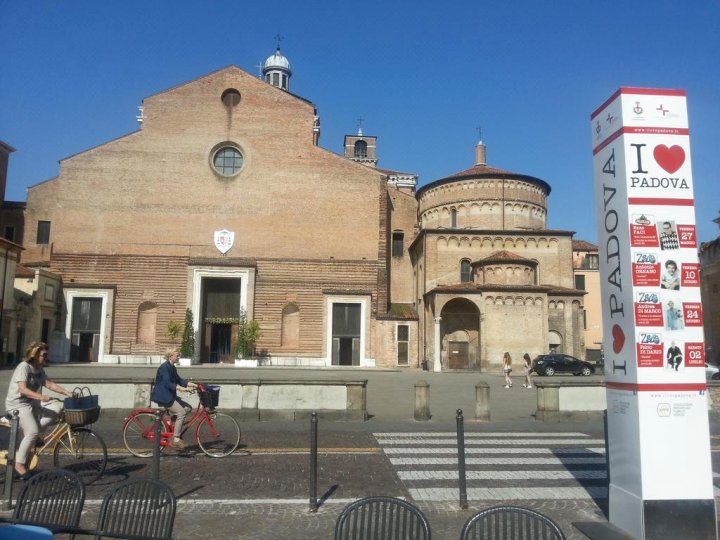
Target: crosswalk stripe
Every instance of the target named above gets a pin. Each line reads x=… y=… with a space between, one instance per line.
x=504 y=475
x=473 y=450
x=504 y=442
x=504 y=494
x=499 y=466
x=472 y=434
x=498 y=461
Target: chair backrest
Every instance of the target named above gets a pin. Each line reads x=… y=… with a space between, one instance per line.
x=511 y=523
x=138 y=508
x=51 y=498
x=382 y=518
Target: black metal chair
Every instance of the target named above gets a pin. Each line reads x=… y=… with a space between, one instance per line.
x=50 y=499
x=141 y=509
x=382 y=518
x=511 y=523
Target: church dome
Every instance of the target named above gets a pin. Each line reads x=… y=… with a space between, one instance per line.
x=276 y=70
x=277 y=61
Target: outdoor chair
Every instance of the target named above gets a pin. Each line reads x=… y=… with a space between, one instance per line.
x=382 y=518
x=511 y=523
x=50 y=499
x=142 y=509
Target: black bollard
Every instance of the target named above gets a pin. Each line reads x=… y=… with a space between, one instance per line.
x=10 y=456
x=461 y=459
x=156 y=445
x=313 y=462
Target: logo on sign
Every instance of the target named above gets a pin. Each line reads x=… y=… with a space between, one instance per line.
x=224 y=240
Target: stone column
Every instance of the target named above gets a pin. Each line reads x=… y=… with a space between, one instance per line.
x=438 y=343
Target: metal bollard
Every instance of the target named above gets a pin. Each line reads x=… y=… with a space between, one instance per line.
x=10 y=457
x=156 y=446
x=461 y=459
x=313 y=462
x=482 y=402
x=422 y=401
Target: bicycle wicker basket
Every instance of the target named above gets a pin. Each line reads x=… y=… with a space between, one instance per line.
x=82 y=417
x=210 y=397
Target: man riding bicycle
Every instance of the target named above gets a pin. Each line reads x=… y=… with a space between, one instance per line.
x=164 y=393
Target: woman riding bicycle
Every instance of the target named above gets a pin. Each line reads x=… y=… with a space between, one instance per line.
x=164 y=393
x=25 y=395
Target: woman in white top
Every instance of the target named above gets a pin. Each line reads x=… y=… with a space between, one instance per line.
x=25 y=396
x=507 y=369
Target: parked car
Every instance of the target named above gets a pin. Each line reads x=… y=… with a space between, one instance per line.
x=550 y=364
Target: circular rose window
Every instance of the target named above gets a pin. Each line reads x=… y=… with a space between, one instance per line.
x=227 y=161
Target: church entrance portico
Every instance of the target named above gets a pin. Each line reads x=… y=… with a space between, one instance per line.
x=218 y=297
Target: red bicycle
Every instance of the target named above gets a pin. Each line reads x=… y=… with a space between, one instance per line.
x=217 y=434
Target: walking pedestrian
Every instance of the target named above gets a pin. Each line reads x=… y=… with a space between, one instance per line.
x=507 y=369
x=528 y=370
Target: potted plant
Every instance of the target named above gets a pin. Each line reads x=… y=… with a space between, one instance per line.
x=187 y=345
x=173 y=330
x=248 y=332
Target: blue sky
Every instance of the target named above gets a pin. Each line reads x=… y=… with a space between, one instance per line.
x=422 y=75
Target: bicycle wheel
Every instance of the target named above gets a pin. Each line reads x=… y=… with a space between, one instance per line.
x=139 y=434
x=218 y=435
x=82 y=451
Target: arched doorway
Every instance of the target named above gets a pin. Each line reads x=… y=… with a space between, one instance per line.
x=460 y=334
x=555 y=342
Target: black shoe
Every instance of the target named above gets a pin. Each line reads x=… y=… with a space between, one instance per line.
x=24 y=476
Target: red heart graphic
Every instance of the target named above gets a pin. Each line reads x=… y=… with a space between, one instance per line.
x=618 y=338
x=670 y=159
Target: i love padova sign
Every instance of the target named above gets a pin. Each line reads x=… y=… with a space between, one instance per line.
x=658 y=434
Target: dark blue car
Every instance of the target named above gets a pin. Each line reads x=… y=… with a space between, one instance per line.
x=562 y=364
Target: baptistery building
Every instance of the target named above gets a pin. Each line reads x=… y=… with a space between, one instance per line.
x=224 y=203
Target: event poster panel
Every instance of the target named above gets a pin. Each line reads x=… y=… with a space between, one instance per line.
x=648 y=244
x=652 y=317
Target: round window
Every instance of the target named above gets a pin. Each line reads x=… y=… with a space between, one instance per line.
x=228 y=161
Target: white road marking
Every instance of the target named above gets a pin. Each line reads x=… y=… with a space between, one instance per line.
x=511 y=494
x=474 y=450
x=503 y=475
x=499 y=461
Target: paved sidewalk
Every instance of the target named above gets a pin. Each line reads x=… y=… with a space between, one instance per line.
x=264 y=493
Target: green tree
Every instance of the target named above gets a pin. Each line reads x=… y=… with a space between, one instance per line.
x=248 y=333
x=187 y=345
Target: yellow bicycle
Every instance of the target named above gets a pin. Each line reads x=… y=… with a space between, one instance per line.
x=73 y=445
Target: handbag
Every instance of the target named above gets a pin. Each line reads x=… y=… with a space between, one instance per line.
x=82 y=399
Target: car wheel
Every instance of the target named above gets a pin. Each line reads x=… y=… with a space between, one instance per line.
x=586 y=371
x=549 y=371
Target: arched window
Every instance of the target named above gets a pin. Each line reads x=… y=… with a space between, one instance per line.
x=453 y=217
x=465 y=271
x=290 y=332
x=146 y=323
x=360 y=149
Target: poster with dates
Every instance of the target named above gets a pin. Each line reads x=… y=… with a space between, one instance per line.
x=646 y=216
x=652 y=316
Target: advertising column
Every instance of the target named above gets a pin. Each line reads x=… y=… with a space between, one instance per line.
x=660 y=471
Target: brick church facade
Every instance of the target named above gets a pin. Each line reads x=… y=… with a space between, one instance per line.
x=220 y=203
